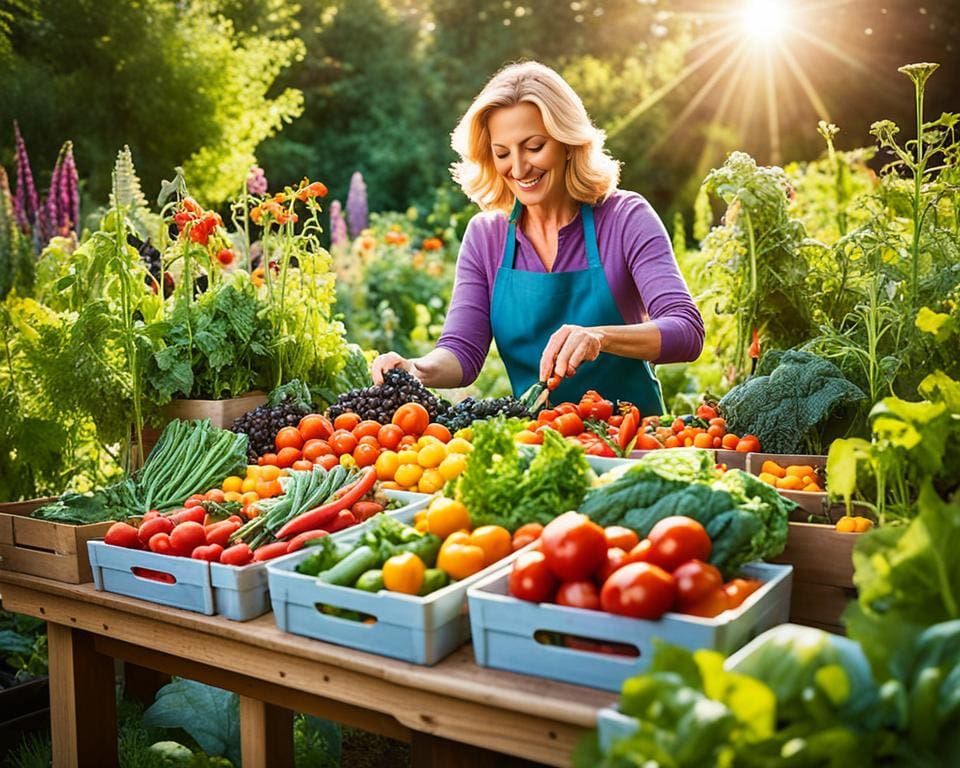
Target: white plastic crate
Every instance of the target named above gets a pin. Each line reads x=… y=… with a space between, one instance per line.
x=238 y=593
x=418 y=629
x=503 y=629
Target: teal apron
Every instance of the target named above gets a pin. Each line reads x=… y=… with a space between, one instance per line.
x=528 y=307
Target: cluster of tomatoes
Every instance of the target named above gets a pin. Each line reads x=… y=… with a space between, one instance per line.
x=606 y=430
x=581 y=565
x=352 y=441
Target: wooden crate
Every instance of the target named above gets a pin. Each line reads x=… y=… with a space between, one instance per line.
x=55 y=551
x=222 y=414
x=822 y=561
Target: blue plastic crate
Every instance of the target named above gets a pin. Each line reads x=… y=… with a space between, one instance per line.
x=115 y=570
x=503 y=629
x=418 y=629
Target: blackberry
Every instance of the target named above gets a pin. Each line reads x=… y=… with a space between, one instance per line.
x=262 y=424
x=380 y=402
x=464 y=413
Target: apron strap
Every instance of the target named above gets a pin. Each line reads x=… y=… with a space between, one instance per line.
x=589 y=236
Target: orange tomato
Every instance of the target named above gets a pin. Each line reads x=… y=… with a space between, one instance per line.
x=389 y=436
x=343 y=442
x=646 y=442
x=748 y=444
x=671 y=442
x=703 y=440
x=412 y=418
x=366 y=428
x=730 y=441
x=268 y=459
x=525 y=534
x=304 y=465
x=288 y=456
x=365 y=454
x=494 y=540
x=315 y=448
x=461 y=560
x=313 y=426
x=346 y=421
x=716 y=430
x=328 y=461
x=438 y=431
x=526 y=437
x=288 y=437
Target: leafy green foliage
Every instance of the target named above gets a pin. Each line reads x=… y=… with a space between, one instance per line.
x=504 y=486
x=790 y=395
x=23 y=645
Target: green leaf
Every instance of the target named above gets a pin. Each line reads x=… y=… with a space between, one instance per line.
x=210 y=715
x=842 y=460
x=940 y=388
x=939 y=324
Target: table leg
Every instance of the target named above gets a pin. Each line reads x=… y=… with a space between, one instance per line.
x=141 y=684
x=266 y=734
x=428 y=751
x=83 y=706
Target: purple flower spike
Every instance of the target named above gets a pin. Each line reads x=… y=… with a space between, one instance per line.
x=26 y=203
x=357 y=204
x=257 y=181
x=71 y=184
x=338 y=227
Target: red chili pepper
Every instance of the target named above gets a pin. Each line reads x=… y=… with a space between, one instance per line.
x=344 y=519
x=628 y=429
x=298 y=541
x=553 y=382
x=319 y=517
x=219 y=533
x=188 y=515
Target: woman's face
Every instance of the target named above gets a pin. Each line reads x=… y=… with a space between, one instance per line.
x=531 y=162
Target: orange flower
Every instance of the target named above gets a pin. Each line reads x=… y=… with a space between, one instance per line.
x=395 y=238
x=257 y=276
x=432 y=244
x=316 y=189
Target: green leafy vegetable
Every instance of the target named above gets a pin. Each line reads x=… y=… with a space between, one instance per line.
x=503 y=486
x=793 y=392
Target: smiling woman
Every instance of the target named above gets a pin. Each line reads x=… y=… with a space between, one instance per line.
x=571 y=276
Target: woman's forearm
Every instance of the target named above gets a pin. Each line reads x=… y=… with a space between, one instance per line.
x=640 y=341
x=439 y=368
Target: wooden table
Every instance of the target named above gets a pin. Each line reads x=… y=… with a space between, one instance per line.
x=452 y=714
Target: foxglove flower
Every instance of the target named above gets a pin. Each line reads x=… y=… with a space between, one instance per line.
x=357 y=205
x=338 y=227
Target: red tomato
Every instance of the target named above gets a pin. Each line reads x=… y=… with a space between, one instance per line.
x=598 y=409
x=616 y=558
x=149 y=528
x=366 y=428
x=328 y=461
x=438 y=431
x=574 y=546
x=345 y=421
x=288 y=456
x=412 y=418
x=729 y=441
x=313 y=426
x=739 y=590
x=389 y=436
x=640 y=590
x=123 y=535
x=619 y=536
x=288 y=437
x=706 y=412
x=267 y=459
x=695 y=580
x=748 y=444
x=313 y=449
x=568 y=424
x=710 y=605
x=641 y=552
x=531 y=579
x=525 y=534
x=676 y=539
x=579 y=594
x=365 y=454
x=186 y=537
x=343 y=442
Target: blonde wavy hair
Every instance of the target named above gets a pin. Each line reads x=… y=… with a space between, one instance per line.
x=591 y=173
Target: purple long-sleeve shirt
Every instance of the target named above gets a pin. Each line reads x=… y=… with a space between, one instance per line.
x=637 y=258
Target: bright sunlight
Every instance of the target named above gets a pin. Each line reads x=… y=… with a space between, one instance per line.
x=765 y=20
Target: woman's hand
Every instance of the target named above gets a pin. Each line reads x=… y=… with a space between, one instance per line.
x=388 y=361
x=569 y=346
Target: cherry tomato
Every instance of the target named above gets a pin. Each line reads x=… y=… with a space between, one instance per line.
x=676 y=539
x=525 y=534
x=531 y=578
x=389 y=436
x=695 y=580
x=641 y=590
x=365 y=454
x=574 y=546
x=579 y=594
x=738 y=590
x=619 y=536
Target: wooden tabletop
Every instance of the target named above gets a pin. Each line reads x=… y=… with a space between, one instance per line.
x=455 y=700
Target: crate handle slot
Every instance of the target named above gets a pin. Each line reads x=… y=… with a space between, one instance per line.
x=345 y=614
x=152 y=575
x=586 y=644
